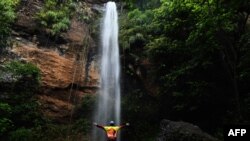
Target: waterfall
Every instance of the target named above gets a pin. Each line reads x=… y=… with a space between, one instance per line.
x=108 y=105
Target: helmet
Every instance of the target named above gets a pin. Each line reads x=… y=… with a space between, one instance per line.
x=111 y=123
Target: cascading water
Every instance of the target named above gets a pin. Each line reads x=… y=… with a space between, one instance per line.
x=108 y=106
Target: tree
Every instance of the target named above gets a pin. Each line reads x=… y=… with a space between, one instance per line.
x=19 y=83
x=198 y=54
x=7 y=16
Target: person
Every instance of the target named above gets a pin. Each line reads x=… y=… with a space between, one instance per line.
x=111 y=130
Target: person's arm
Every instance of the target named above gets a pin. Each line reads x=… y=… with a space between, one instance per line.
x=124 y=125
x=99 y=126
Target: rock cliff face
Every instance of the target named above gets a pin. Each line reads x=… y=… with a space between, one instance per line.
x=68 y=64
x=57 y=71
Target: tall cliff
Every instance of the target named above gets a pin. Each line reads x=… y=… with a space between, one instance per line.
x=68 y=61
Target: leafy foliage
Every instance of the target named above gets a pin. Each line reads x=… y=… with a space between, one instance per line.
x=25 y=69
x=55 y=15
x=142 y=112
x=19 y=83
x=5 y=122
x=21 y=134
x=195 y=53
x=7 y=16
x=142 y=4
x=86 y=107
x=84 y=113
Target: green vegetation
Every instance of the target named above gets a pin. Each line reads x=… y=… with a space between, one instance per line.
x=182 y=60
x=21 y=134
x=55 y=15
x=5 y=123
x=24 y=69
x=141 y=4
x=20 y=117
x=19 y=83
x=142 y=112
x=78 y=129
x=198 y=59
x=7 y=16
x=84 y=113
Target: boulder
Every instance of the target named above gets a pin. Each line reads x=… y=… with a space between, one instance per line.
x=182 y=131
